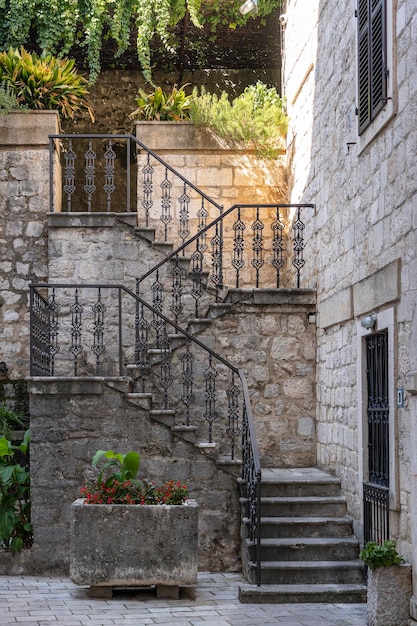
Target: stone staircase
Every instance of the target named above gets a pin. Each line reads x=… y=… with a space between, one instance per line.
x=308 y=550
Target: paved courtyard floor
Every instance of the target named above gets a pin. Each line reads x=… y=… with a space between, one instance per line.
x=213 y=602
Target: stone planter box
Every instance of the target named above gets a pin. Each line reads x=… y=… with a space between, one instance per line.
x=389 y=593
x=133 y=545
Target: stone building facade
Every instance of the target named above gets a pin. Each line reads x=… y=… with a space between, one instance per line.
x=364 y=187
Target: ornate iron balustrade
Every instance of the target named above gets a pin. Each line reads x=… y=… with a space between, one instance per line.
x=113 y=173
x=106 y=330
x=247 y=246
x=375 y=513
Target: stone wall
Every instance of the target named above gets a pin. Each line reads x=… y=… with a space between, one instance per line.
x=70 y=421
x=24 y=205
x=365 y=224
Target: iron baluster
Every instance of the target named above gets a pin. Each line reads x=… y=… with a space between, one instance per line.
x=202 y=215
x=76 y=347
x=142 y=326
x=53 y=309
x=187 y=360
x=278 y=260
x=196 y=274
x=233 y=429
x=89 y=187
x=40 y=352
x=109 y=186
x=210 y=414
x=147 y=201
x=157 y=303
x=184 y=215
x=238 y=246
x=375 y=513
x=165 y=378
x=176 y=298
x=98 y=347
x=166 y=216
x=298 y=245
x=251 y=478
x=257 y=245
x=69 y=174
x=216 y=260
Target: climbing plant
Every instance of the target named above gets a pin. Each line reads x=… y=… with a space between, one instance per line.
x=57 y=25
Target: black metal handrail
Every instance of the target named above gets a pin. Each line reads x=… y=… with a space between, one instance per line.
x=48 y=314
x=111 y=166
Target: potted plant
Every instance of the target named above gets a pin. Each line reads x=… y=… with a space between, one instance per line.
x=126 y=532
x=389 y=584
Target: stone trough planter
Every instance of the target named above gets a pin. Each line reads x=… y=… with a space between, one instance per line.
x=389 y=593
x=133 y=546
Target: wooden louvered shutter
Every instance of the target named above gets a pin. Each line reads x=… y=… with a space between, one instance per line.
x=372 y=78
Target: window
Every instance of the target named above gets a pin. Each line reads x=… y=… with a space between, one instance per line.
x=372 y=54
x=375 y=66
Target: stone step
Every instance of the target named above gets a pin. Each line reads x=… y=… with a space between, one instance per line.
x=163 y=416
x=309 y=572
x=280 y=594
x=306 y=527
x=166 y=247
x=197 y=325
x=308 y=549
x=146 y=232
x=334 y=506
x=142 y=400
x=298 y=482
x=217 y=309
x=188 y=433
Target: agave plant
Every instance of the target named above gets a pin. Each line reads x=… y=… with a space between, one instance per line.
x=44 y=82
x=162 y=106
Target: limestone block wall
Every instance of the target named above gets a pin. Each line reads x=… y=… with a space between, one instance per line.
x=71 y=420
x=365 y=225
x=267 y=334
x=24 y=205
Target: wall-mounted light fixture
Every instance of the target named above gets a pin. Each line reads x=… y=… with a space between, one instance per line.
x=248 y=6
x=369 y=322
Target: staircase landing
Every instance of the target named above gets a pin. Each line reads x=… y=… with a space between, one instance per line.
x=308 y=550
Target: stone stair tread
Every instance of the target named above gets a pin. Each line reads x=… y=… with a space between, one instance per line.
x=301 y=499
x=311 y=541
x=313 y=592
x=325 y=519
x=297 y=475
x=319 y=565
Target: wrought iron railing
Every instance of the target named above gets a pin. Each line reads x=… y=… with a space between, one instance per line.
x=107 y=330
x=247 y=246
x=375 y=513
x=118 y=173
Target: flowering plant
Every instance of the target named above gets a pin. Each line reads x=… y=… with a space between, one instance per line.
x=122 y=487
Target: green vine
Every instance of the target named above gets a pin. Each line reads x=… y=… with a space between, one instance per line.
x=57 y=24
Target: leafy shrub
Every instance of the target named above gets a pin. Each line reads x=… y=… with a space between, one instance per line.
x=44 y=82
x=10 y=421
x=376 y=555
x=116 y=483
x=162 y=106
x=15 y=524
x=8 y=99
x=256 y=118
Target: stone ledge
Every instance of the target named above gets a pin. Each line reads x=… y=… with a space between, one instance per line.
x=71 y=385
x=28 y=128
x=336 y=309
x=90 y=220
x=299 y=297
x=379 y=289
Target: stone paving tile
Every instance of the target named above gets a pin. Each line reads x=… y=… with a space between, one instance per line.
x=32 y=601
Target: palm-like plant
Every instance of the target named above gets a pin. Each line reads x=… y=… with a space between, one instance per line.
x=44 y=82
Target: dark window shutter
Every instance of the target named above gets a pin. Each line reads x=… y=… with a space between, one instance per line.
x=372 y=79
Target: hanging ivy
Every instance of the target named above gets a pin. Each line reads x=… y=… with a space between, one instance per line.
x=59 y=24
